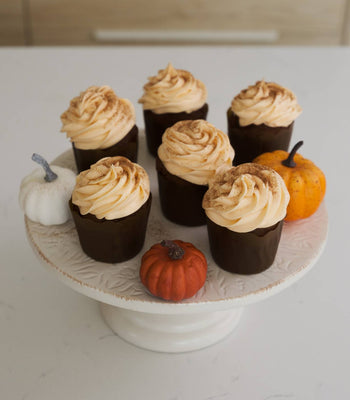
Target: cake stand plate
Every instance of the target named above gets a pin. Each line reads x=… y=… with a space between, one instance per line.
x=159 y=325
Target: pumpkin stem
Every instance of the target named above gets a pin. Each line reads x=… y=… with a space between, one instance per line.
x=175 y=252
x=50 y=175
x=289 y=162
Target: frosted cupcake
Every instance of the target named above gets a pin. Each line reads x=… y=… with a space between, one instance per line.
x=171 y=96
x=100 y=124
x=261 y=119
x=110 y=206
x=245 y=208
x=190 y=154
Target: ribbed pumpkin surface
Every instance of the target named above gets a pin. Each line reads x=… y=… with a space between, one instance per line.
x=305 y=182
x=173 y=279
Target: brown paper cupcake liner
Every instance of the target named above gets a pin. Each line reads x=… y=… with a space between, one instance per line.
x=127 y=147
x=252 y=140
x=180 y=200
x=244 y=253
x=156 y=124
x=112 y=241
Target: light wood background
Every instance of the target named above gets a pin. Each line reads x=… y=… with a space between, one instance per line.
x=75 y=22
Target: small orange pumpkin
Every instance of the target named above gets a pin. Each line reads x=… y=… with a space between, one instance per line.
x=306 y=183
x=173 y=270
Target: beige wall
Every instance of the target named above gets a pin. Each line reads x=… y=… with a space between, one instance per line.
x=83 y=22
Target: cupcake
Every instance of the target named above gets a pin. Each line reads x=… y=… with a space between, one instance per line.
x=100 y=124
x=110 y=205
x=190 y=154
x=261 y=120
x=245 y=208
x=171 y=96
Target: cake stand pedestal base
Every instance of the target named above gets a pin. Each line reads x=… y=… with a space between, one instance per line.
x=170 y=333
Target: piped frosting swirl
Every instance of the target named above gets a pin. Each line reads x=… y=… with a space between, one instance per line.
x=266 y=103
x=172 y=91
x=97 y=118
x=112 y=188
x=246 y=197
x=193 y=150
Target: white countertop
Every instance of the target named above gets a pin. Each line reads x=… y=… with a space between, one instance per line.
x=54 y=343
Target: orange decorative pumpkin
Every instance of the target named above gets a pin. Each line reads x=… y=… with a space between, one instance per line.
x=306 y=183
x=173 y=270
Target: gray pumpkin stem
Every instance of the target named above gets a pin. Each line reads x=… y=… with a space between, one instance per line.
x=50 y=175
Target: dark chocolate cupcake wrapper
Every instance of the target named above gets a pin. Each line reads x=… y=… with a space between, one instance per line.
x=244 y=253
x=112 y=241
x=127 y=147
x=252 y=140
x=180 y=200
x=156 y=124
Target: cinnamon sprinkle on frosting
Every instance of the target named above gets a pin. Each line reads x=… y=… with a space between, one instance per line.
x=173 y=91
x=246 y=197
x=97 y=118
x=266 y=103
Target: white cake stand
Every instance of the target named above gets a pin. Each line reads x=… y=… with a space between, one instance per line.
x=155 y=324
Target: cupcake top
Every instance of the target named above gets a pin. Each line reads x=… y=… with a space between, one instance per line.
x=266 y=103
x=173 y=91
x=194 y=150
x=112 y=188
x=246 y=197
x=97 y=118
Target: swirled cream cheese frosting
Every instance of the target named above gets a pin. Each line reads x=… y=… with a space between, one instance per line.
x=246 y=197
x=112 y=188
x=193 y=150
x=173 y=91
x=97 y=118
x=266 y=103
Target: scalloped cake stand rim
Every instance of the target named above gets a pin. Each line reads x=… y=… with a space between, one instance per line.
x=149 y=306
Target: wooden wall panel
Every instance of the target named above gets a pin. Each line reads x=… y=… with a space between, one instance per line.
x=345 y=37
x=11 y=23
x=72 y=22
x=298 y=22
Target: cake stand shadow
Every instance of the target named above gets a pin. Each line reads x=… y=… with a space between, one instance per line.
x=155 y=324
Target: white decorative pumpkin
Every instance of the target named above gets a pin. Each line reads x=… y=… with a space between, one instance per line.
x=44 y=194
